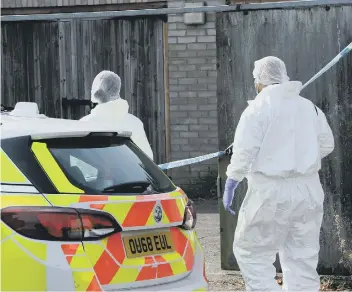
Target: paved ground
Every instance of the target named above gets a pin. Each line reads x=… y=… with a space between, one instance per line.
x=208 y=230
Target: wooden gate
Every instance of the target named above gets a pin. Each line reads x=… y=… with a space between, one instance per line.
x=305 y=39
x=53 y=63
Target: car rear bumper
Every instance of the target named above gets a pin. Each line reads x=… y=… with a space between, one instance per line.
x=194 y=281
x=32 y=265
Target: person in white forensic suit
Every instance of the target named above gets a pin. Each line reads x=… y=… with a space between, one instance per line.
x=113 y=110
x=279 y=143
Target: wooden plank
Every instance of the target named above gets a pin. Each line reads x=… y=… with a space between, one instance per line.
x=98 y=34
x=29 y=73
x=80 y=75
x=20 y=64
x=228 y=222
x=24 y=75
x=167 y=94
x=82 y=8
x=94 y=50
x=151 y=69
x=114 y=51
x=14 y=60
x=69 y=48
x=342 y=113
x=121 y=53
x=159 y=110
x=45 y=100
x=106 y=55
x=63 y=54
x=74 y=57
x=147 y=101
x=140 y=97
x=54 y=85
x=65 y=64
x=37 y=70
x=91 y=51
x=5 y=66
x=11 y=47
x=126 y=30
x=32 y=62
x=134 y=64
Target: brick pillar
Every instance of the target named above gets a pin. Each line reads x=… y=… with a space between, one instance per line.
x=192 y=85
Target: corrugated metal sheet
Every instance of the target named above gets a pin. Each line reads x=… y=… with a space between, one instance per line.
x=50 y=3
x=45 y=62
x=306 y=39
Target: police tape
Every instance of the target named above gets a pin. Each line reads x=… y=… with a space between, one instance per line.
x=189 y=161
x=342 y=54
x=202 y=158
x=194 y=160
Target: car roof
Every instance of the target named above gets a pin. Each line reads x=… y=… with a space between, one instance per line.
x=42 y=127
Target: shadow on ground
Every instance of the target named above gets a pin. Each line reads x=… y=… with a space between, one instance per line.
x=208 y=231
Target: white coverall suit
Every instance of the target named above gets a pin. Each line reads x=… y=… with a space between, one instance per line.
x=279 y=143
x=112 y=110
x=116 y=113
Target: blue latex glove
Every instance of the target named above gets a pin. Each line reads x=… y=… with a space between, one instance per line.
x=229 y=193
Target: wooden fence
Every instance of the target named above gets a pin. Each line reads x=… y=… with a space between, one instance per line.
x=50 y=62
x=305 y=39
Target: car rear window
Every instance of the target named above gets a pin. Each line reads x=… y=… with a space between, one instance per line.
x=108 y=164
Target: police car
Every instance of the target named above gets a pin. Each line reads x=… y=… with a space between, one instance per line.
x=84 y=209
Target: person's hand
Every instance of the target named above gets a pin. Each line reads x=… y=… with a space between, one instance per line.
x=229 y=193
x=229 y=150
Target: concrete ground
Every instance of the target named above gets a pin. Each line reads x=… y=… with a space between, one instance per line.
x=208 y=230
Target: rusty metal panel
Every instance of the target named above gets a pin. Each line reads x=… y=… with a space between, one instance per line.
x=305 y=39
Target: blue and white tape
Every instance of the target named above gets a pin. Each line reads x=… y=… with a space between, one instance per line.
x=189 y=161
x=202 y=158
x=194 y=160
x=342 y=54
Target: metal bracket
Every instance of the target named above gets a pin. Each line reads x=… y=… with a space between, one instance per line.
x=77 y=102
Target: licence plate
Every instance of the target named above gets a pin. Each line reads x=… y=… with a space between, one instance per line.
x=148 y=244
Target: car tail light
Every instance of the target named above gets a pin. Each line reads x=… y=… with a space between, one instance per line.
x=190 y=216
x=60 y=224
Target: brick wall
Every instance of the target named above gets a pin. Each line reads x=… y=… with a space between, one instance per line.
x=193 y=102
